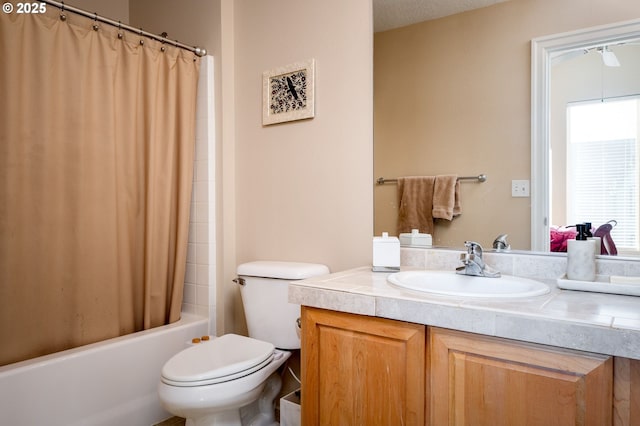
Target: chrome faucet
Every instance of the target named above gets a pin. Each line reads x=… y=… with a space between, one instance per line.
x=474 y=264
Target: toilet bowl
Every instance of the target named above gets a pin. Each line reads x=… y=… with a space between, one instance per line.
x=232 y=379
x=211 y=381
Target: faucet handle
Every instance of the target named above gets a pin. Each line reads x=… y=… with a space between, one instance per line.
x=501 y=244
x=473 y=247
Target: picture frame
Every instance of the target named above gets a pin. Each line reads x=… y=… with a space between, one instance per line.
x=288 y=93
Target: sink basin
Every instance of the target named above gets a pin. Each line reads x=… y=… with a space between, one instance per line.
x=452 y=284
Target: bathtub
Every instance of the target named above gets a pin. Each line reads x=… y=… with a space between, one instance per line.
x=106 y=383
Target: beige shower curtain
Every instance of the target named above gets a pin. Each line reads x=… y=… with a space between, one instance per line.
x=96 y=154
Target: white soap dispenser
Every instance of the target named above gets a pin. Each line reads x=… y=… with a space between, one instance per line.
x=581 y=257
x=386 y=253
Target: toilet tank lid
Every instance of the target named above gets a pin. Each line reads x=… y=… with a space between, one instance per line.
x=282 y=270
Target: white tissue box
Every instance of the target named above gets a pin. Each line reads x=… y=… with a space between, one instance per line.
x=416 y=239
x=386 y=253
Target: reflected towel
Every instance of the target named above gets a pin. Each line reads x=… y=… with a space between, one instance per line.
x=446 y=201
x=416 y=204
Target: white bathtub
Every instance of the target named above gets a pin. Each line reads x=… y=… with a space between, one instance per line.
x=109 y=383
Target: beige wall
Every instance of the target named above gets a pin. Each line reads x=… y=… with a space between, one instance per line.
x=303 y=189
x=452 y=95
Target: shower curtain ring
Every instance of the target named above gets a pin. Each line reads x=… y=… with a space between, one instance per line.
x=95 y=27
x=120 y=35
x=164 y=35
x=63 y=16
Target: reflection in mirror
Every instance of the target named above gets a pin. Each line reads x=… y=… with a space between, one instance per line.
x=585 y=114
x=454 y=96
x=453 y=101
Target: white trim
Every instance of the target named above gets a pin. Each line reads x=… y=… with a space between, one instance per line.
x=542 y=48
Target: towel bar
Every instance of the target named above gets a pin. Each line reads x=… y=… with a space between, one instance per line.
x=479 y=178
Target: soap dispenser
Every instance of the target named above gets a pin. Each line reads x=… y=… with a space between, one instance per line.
x=581 y=259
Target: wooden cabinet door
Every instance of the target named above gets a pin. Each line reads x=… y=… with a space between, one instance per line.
x=359 y=370
x=478 y=380
x=626 y=392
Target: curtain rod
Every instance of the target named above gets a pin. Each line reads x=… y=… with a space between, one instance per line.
x=479 y=178
x=199 y=51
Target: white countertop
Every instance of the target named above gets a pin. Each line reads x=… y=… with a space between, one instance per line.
x=593 y=322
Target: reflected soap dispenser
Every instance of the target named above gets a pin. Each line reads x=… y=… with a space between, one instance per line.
x=581 y=259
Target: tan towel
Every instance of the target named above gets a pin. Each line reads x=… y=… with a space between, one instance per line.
x=416 y=204
x=446 y=201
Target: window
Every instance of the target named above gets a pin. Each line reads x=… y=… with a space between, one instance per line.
x=602 y=167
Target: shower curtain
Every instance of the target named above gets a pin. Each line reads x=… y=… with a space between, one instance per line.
x=96 y=162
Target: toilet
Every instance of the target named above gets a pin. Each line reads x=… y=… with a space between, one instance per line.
x=233 y=379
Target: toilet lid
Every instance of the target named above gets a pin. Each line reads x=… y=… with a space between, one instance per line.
x=221 y=359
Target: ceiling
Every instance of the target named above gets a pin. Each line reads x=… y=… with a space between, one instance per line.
x=390 y=14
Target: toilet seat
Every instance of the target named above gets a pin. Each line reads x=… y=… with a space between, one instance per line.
x=219 y=360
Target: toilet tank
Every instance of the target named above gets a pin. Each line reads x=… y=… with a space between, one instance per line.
x=265 y=293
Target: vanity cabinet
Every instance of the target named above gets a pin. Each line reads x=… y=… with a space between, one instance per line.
x=480 y=380
x=626 y=392
x=359 y=370
x=362 y=370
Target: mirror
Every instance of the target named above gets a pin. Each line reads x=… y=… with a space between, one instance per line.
x=442 y=91
x=553 y=100
x=454 y=95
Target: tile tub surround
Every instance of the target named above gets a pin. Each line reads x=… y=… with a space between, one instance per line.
x=593 y=322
